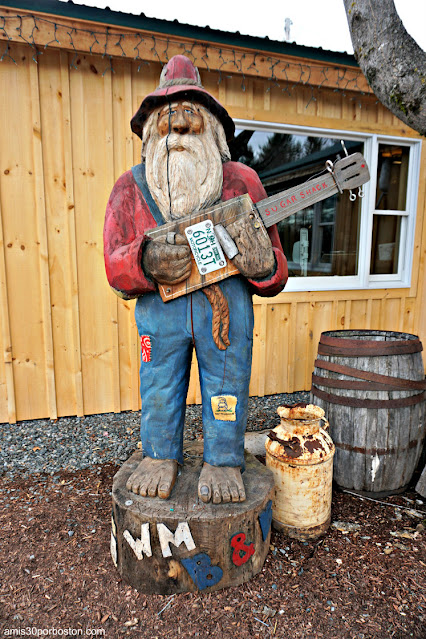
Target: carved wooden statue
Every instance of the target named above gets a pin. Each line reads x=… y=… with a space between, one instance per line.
x=190 y=234
x=185 y=169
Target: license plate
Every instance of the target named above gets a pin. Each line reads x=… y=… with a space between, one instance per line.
x=205 y=247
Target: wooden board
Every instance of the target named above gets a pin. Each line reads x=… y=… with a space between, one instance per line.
x=93 y=175
x=112 y=40
x=60 y=222
x=223 y=213
x=7 y=390
x=25 y=251
x=221 y=545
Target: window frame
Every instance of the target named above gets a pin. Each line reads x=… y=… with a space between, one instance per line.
x=363 y=280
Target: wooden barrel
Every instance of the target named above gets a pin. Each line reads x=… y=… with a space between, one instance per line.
x=371 y=385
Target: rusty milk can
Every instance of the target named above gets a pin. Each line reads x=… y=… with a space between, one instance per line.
x=300 y=454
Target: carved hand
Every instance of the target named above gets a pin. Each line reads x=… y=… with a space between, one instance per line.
x=165 y=263
x=256 y=256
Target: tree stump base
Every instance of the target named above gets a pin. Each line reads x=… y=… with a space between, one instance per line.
x=183 y=545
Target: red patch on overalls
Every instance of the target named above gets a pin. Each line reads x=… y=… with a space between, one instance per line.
x=146 y=348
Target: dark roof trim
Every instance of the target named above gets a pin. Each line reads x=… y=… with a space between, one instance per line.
x=175 y=28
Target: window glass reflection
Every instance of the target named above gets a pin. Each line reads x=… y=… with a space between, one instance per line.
x=392 y=172
x=321 y=239
x=385 y=244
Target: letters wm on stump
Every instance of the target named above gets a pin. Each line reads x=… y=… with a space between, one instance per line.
x=182 y=544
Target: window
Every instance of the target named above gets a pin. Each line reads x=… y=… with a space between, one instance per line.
x=390 y=207
x=338 y=243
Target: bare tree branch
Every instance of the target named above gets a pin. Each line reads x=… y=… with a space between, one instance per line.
x=392 y=62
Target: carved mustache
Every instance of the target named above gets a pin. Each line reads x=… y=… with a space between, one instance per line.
x=178 y=142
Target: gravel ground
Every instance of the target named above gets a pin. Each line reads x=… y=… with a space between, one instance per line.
x=74 y=443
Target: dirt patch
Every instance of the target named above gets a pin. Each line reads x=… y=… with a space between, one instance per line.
x=57 y=574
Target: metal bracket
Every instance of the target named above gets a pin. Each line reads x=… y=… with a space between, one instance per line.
x=344 y=148
x=330 y=168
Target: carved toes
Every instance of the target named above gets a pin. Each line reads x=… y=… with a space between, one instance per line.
x=153 y=477
x=221 y=484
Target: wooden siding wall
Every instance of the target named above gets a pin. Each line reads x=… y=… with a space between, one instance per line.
x=69 y=345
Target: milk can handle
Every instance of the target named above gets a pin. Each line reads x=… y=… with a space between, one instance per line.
x=326 y=425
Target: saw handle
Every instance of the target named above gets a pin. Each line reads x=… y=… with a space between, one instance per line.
x=225 y=240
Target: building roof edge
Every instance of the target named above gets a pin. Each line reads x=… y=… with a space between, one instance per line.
x=175 y=28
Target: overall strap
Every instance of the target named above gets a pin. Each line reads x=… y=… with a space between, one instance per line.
x=138 y=172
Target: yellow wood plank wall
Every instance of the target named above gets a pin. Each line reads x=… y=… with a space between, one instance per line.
x=69 y=345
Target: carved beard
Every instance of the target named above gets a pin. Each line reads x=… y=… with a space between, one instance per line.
x=194 y=167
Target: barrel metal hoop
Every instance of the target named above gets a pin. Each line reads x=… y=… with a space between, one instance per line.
x=369 y=343
x=414 y=443
x=356 y=348
x=349 y=384
x=368 y=403
x=381 y=382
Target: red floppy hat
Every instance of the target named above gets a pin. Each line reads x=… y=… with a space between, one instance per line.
x=180 y=80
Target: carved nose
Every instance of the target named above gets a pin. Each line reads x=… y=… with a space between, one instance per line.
x=180 y=123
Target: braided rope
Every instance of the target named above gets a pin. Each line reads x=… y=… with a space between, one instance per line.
x=210 y=293
x=224 y=315
x=220 y=316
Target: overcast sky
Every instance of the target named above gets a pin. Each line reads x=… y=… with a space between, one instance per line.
x=318 y=23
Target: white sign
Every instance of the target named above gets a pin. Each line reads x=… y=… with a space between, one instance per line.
x=205 y=247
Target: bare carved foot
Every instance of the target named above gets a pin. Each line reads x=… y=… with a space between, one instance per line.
x=221 y=484
x=153 y=477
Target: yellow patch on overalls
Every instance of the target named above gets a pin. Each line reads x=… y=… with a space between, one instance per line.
x=224 y=407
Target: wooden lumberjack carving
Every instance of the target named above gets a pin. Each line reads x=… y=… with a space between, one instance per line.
x=187 y=193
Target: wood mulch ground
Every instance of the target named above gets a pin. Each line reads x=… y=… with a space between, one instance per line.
x=57 y=577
